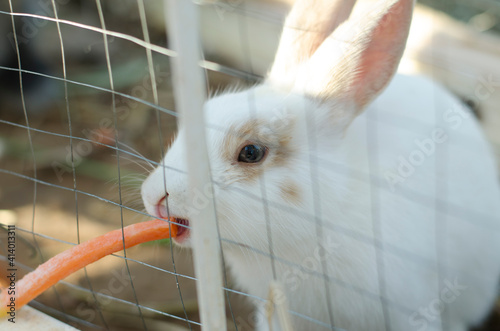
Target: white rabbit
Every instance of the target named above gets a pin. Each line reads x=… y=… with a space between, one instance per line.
x=377 y=196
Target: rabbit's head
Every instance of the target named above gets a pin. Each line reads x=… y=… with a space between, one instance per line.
x=262 y=141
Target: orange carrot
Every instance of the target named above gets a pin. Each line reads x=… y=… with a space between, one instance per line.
x=77 y=257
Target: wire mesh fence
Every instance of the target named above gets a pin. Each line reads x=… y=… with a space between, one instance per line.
x=87 y=108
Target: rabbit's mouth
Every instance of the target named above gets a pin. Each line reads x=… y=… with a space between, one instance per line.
x=182 y=230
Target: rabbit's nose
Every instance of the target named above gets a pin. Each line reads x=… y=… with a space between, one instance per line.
x=161 y=209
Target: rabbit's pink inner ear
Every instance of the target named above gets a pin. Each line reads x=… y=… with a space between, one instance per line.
x=359 y=59
x=380 y=54
x=308 y=24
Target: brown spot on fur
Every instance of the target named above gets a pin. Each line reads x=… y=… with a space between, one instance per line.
x=290 y=192
x=282 y=153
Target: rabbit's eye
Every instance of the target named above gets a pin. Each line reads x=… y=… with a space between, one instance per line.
x=252 y=153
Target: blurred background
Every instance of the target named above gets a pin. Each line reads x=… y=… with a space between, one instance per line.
x=74 y=152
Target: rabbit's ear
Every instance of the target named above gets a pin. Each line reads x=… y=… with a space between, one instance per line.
x=360 y=57
x=307 y=25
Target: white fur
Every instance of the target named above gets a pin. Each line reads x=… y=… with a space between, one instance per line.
x=404 y=242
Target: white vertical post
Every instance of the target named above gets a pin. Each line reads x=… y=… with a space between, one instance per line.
x=190 y=91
